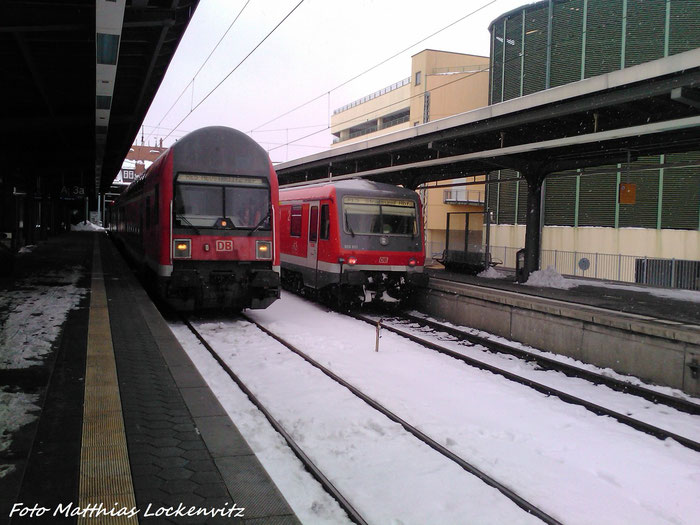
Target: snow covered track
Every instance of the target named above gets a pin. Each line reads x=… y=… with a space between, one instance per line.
x=578 y=467
x=310 y=466
x=598 y=409
x=316 y=472
x=510 y=494
x=655 y=396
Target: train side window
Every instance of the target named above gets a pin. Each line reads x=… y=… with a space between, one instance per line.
x=313 y=224
x=295 y=227
x=325 y=222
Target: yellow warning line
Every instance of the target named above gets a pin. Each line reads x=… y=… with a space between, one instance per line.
x=105 y=475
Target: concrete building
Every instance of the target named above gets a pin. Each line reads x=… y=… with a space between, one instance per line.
x=441 y=84
x=621 y=222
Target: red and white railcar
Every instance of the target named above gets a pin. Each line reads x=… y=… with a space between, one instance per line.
x=202 y=220
x=353 y=241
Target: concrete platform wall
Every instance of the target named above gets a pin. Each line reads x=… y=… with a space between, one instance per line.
x=657 y=351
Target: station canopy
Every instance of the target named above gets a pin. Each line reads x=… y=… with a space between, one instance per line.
x=77 y=79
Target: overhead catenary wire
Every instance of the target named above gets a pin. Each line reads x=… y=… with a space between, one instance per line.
x=239 y=64
x=328 y=92
x=375 y=110
x=191 y=82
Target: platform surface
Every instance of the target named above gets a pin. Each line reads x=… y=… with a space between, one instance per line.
x=151 y=438
x=616 y=296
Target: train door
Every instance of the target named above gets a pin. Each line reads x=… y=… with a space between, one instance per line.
x=312 y=247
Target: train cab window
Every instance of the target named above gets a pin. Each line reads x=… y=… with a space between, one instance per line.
x=325 y=222
x=399 y=219
x=212 y=201
x=295 y=226
x=375 y=216
x=313 y=224
x=248 y=207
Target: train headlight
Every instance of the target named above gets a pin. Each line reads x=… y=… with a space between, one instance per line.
x=412 y=262
x=263 y=250
x=182 y=248
x=352 y=261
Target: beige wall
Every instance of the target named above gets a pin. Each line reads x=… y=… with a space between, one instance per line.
x=632 y=242
x=457 y=93
x=644 y=242
x=371 y=110
x=452 y=91
x=470 y=92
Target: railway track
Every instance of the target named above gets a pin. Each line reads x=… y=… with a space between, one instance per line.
x=316 y=472
x=545 y=363
x=311 y=467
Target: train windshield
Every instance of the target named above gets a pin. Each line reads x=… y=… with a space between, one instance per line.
x=201 y=201
x=379 y=216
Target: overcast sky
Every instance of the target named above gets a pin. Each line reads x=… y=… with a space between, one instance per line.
x=323 y=44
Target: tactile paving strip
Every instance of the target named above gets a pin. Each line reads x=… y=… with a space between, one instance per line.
x=105 y=475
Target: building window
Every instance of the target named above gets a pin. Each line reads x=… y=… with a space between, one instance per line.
x=417 y=78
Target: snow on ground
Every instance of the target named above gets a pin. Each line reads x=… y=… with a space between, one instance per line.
x=609 y=372
x=662 y=416
x=86 y=226
x=33 y=315
x=666 y=293
x=388 y=475
x=579 y=467
x=16 y=410
x=305 y=495
x=551 y=278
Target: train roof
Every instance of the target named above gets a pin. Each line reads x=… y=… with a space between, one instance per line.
x=346 y=187
x=221 y=150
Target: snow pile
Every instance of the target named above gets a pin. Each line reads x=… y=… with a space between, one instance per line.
x=27 y=249
x=86 y=227
x=549 y=278
x=491 y=273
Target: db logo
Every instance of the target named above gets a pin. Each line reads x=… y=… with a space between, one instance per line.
x=383 y=260
x=224 y=246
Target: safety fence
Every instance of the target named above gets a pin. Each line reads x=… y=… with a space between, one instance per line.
x=666 y=273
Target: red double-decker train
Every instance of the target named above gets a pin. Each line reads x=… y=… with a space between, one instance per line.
x=202 y=221
x=353 y=241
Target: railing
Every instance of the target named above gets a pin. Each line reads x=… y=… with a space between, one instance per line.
x=461 y=195
x=461 y=69
x=363 y=131
x=394 y=121
x=383 y=91
x=664 y=273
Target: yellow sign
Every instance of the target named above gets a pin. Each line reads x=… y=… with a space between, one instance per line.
x=628 y=193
